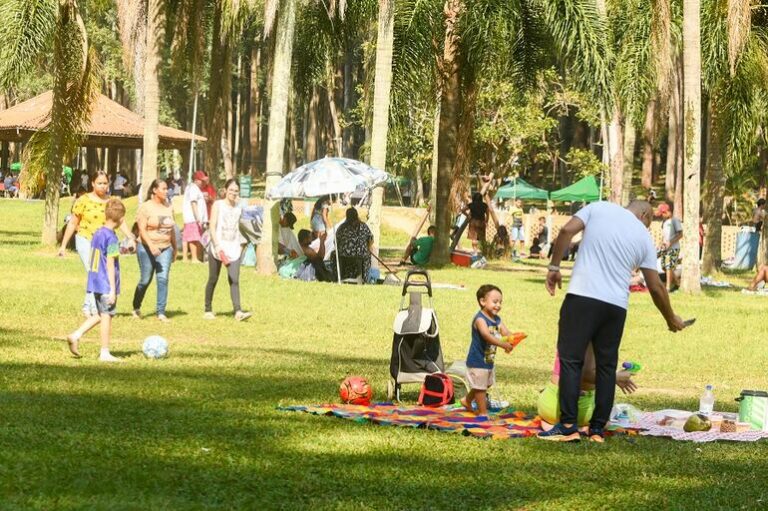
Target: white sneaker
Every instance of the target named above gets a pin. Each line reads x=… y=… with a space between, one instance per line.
x=108 y=357
x=209 y=315
x=163 y=318
x=136 y=314
x=242 y=316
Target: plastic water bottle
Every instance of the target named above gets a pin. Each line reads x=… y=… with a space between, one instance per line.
x=707 y=401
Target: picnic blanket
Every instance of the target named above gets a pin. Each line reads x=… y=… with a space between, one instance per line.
x=505 y=424
x=648 y=423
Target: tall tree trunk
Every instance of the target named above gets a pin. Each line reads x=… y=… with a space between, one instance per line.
x=310 y=141
x=630 y=136
x=235 y=128
x=380 y=124
x=255 y=109
x=713 y=194
x=419 y=199
x=450 y=112
x=615 y=139
x=690 y=281
x=338 y=138
x=219 y=92
x=278 y=116
x=672 y=147
x=646 y=178
x=433 y=167
x=151 y=96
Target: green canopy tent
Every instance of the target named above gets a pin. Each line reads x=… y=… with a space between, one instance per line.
x=519 y=189
x=585 y=189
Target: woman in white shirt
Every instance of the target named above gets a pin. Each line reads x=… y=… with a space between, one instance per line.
x=227 y=248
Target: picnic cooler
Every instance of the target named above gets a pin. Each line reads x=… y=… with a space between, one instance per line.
x=461 y=258
x=416 y=351
x=753 y=409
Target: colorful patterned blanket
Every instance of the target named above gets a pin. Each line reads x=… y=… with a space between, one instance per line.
x=502 y=425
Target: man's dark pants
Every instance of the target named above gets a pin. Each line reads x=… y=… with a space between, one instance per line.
x=584 y=320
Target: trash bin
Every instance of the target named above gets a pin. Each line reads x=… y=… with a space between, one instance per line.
x=246 y=183
x=747 y=244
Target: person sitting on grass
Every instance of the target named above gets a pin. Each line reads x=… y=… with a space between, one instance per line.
x=487 y=332
x=315 y=258
x=540 y=245
x=419 y=249
x=103 y=281
x=288 y=245
x=549 y=405
x=761 y=276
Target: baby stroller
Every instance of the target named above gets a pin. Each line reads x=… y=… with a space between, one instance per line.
x=416 y=342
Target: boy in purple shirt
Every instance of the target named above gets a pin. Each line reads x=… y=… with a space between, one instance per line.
x=103 y=281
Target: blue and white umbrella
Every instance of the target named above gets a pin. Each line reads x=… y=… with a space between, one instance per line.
x=326 y=177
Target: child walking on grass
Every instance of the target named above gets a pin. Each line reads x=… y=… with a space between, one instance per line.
x=488 y=332
x=103 y=281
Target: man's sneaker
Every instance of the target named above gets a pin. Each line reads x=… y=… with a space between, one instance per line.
x=209 y=315
x=242 y=316
x=597 y=435
x=560 y=433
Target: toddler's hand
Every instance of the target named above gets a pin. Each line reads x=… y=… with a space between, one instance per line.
x=507 y=347
x=111 y=298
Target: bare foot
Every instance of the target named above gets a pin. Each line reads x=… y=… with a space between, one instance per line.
x=72 y=341
x=466 y=405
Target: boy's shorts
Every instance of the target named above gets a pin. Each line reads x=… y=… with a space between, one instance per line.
x=670 y=258
x=480 y=379
x=103 y=307
x=518 y=234
x=549 y=405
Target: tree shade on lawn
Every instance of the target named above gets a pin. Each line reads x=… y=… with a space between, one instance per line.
x=520 y=189
x=583 y=190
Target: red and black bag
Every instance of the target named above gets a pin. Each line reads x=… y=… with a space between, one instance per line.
x=437 y=390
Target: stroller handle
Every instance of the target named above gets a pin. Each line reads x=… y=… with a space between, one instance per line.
x=409 y=282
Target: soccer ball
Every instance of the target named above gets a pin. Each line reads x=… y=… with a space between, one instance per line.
x=155 y=347
x=356 y=390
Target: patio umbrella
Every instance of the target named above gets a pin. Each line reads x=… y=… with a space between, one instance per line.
x=328 y=176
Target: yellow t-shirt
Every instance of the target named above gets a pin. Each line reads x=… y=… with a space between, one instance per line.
x=160 y=222
x=90 y=213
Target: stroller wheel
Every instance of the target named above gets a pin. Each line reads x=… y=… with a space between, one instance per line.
x=390 y=390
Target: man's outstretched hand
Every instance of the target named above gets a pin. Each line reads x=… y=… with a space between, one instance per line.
x=676 y=323
x=554 y=278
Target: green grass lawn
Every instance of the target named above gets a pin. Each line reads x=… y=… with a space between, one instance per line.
x=200 y=430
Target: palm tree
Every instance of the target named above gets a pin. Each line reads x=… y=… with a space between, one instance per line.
x=30 y=27
x=285 y=13
x=690 y=281
x=735 y=66
x=380 y=126
x=154 y=35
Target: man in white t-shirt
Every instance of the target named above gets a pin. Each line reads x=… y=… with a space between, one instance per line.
x=195 y=214
x=669 y=252
x=615 y=242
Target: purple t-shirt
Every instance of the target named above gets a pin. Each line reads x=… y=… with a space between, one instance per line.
x=103 y=244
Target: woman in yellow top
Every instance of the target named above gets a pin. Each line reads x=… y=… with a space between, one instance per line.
x=87 y=217
x=157 y=250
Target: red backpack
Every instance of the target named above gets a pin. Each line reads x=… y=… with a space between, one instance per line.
x=437 y=390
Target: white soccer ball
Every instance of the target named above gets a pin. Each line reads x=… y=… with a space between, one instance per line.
x=155 y=347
